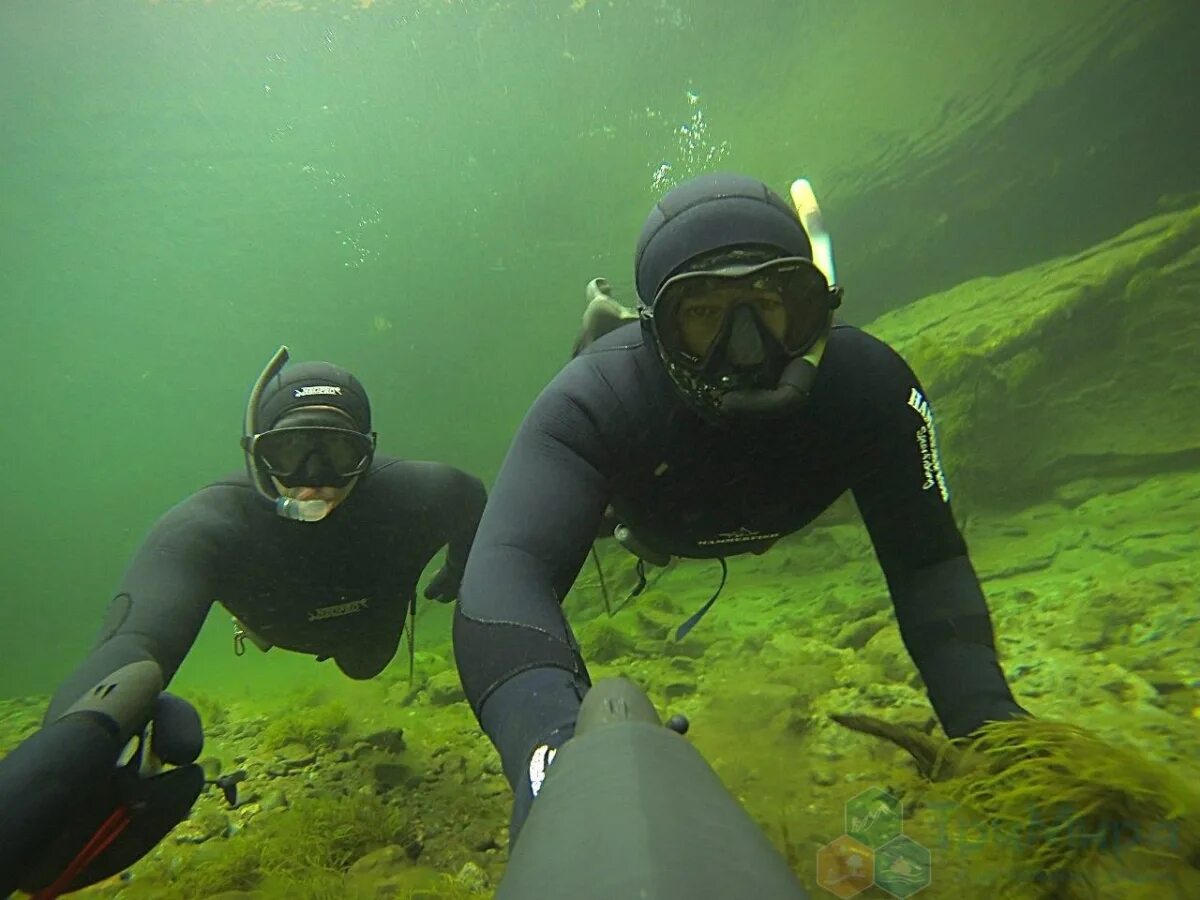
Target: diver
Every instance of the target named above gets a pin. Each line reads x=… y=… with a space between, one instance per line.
x=316 y=549
x=731 y=413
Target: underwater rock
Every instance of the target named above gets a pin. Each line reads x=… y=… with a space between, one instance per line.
x=653 y=626
x=391 y=774
x=854 y=635
x=692 y=647
x=602 y=641
x=273 y=799
x=1075 y=493
x=379 y=863
x=796 y=721
x=201 y=826
x=1141 y=552
x=211 y=767
x=1074 y=368
x=677 y=687
x=295 y=756
x=473 y=878
x=444 y=688
x=682 y=664
x=886 y=650
x=823 y=778
x=390 y=741
x=1128 y=687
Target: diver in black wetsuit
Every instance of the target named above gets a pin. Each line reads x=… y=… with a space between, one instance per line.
x=731 y=414
x=317 y=549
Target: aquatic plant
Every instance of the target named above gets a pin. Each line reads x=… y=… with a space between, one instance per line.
x=332 y=832
x=1067 y=799
x=300 y=853
x=318 y=727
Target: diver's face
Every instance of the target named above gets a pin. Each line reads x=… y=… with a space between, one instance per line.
x=701 y=315
x=331 y=495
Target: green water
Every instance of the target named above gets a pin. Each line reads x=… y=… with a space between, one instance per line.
x=418 y=191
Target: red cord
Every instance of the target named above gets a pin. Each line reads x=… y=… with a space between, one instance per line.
x=100 y=841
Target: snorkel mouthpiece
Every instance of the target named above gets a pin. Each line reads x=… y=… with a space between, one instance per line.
x=302 y=510
x=792 y=390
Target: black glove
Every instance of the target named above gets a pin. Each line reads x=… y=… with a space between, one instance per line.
x=72 y=817
x=444 y=586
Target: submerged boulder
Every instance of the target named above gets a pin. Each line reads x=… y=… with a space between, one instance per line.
x=1083 y=366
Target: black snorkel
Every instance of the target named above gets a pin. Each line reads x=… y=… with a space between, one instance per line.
x=250 y=424
x=789 y=393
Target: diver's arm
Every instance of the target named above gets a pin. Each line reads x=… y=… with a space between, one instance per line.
x=519 y=663
x=939 y=603
x=460 y=501
x=159 y=607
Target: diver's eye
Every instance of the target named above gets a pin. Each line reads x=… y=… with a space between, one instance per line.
x=705 y=313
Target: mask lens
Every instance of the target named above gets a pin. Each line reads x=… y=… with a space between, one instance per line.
x=791 y=300
x=286 y=450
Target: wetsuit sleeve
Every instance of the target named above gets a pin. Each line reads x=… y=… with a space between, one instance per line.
x=519 y=663
x=459 y=504
x=160 y=605
x=940 y=607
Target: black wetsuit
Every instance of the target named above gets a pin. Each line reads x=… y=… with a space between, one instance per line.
x=337 y=588
x=611 y=429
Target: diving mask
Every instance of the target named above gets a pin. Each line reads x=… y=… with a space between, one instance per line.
x=313 y=455
x=701 y=313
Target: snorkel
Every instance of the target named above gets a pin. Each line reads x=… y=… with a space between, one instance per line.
x=286 y=507
x=797 y=377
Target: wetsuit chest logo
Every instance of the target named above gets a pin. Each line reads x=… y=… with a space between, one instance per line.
x=337 y=610
x=742 y=535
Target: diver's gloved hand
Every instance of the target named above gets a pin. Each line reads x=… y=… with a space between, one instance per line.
x=444 y=586
x=107 y=824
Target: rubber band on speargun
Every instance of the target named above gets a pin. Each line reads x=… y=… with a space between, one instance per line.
x=108 y=832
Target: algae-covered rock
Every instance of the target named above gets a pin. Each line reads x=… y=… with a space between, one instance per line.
x=444 y=688
x=473 y=878
x=886 y=650
x=201 y=826
x=382 y=862
x=389 y=741
x=1078 y=367
x=603 y=641
x=854 y=635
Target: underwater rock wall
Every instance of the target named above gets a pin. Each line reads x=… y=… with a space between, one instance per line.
x=1078 y=368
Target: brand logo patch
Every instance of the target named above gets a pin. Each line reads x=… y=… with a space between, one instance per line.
x=538 y=764
x=931 y=461
x=318 y=390
x=339 y=609
x=741 y=536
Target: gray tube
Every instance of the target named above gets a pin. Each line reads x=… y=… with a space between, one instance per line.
x=250 y=423
x=631 y=809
